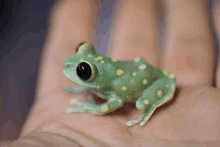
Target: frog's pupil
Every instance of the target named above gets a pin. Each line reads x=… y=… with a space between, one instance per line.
x=84 y=71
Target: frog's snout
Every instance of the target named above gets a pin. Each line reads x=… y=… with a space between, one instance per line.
x=140 y=105
x=67 y=65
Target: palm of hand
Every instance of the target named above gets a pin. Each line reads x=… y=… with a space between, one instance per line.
x=191 y=115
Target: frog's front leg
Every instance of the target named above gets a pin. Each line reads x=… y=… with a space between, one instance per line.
x=111 y=104
x=80 y=89
x=77 y=89
x=159 y=93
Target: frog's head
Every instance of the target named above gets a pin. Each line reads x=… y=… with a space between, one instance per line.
x=84 y=68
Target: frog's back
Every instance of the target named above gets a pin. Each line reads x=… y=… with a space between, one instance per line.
x=134 y=76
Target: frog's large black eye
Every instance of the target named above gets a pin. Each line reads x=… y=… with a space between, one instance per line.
x=77 y=48
x=84 y=71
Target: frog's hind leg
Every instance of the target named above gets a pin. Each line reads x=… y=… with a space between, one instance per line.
x=159 y=93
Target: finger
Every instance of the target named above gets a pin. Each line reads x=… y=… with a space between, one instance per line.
x=72 y=22
x=135 y=31
x=216 y=14
x=189 y=52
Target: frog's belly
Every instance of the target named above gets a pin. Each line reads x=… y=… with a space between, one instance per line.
x=96 y=92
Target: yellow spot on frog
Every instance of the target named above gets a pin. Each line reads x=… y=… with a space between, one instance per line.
x=102 y=61
x=119 y=72
x=98 y=58
x=89 y=55
x=113 y=60
x=142 y=66
x=137 y=59
x=124 y=88
x=104 y=108
x=81 y=60
x=159 y=93
x=146 y=102
x=172 y=76
x=165 y=72
x=134 y=74
x=145 y=81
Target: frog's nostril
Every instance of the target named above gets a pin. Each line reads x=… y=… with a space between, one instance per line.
x=67 y=65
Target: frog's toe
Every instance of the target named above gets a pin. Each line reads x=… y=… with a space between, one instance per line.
x=146 y=118
x=76 y=102
x=129 y=123
x=132 y=122
x=142 y=123
x=72 y=110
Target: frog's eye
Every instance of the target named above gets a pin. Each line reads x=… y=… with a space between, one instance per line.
x=77 y=48
x=85 y=71
x=85 y=48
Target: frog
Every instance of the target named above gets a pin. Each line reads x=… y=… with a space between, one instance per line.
x=117 y=82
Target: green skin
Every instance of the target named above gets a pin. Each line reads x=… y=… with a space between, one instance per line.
x=118 y=82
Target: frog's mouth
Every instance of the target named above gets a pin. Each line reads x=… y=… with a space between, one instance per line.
x=82 y=73
x=80 y=82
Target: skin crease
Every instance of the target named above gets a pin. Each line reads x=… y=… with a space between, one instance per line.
x=191 y=119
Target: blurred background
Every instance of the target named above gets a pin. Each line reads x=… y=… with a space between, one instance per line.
x=23 y=28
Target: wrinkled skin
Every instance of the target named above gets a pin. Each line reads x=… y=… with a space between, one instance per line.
x=192 y=118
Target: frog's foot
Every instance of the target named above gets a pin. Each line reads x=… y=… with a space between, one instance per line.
x=81 y=108
x=77 y=89
x=132 y=122
x=101 y=109
x=143 y=118
x=156 y=95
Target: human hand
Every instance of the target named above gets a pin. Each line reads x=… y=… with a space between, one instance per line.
x=192 y=118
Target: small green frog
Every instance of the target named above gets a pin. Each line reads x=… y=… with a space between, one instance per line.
x=117 y=82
